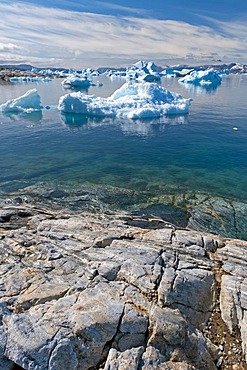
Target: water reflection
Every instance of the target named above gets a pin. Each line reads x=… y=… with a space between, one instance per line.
x=198 y=89
x=70 y=89
x=145 y=128
x=82 y=121
x=34 y=117
x=151 y=127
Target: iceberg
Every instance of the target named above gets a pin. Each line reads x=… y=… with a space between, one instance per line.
x=143 y=71
x=27 y=103
x=207 y=78
x=147 y=67
x=76 y=81
x=132 y=100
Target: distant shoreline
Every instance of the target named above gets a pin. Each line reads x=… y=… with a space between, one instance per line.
x=25 y=70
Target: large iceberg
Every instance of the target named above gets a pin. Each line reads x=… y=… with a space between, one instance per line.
x=27 y=103
x=207 y=78
x=132 y=100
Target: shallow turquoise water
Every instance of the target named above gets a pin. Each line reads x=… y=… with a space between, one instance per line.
x=199 y=152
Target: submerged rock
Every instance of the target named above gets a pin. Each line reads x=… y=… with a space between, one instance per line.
x=225 y=217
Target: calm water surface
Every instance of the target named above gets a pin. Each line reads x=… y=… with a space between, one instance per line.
x=204 y=151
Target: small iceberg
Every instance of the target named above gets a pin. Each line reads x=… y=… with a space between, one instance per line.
x=132 y=100
x=76 y=81
x=143 y=71
x=27 y=103
x=207 y=78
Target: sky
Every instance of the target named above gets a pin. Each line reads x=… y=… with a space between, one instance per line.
x=94 y=33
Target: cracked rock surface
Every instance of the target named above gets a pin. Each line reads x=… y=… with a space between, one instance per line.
x=85 y=291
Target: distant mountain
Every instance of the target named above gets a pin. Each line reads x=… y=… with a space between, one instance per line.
x=20 y=67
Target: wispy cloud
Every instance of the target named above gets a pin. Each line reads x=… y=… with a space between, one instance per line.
x=235 y=29
x=77 y=38
x=127 y=9
x=8 y=47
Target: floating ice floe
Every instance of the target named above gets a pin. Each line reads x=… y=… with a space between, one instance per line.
x=76 y=81
x=183 y=72
x=207 y=78
x=30 y=79
x=132 y=100
x=27 y=103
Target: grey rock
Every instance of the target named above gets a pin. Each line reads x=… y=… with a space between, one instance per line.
x=126 y=360
x=134 y=320
x=63 y=356
x=5 y=363
x=233 y=304
x=229 y=300
x=82 y=324
x=234 y=258
x=79 y=290
x=187 y=238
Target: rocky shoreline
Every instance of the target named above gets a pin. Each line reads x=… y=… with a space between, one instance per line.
x=105 y=290
x=7 y=73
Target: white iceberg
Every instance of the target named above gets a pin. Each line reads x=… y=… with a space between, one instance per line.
x=147 y=67
x=143 y=71
x=207 y=78
x=76 y=81
x=132 y=100
x=27 y=103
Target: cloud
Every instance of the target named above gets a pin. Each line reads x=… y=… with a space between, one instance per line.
x=8 y=47
x=126 y=9
x=86 y=39
x=236 y=30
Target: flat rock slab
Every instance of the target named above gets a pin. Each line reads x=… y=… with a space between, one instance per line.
x=93 y=291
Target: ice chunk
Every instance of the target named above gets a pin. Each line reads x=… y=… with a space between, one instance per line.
x=132 y=100
x=76 y=81
x=207 y=78
x=29 y=102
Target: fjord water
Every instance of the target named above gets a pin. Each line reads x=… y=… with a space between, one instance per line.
x=204 y=151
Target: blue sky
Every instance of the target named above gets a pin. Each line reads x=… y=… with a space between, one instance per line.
x=93 y=33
